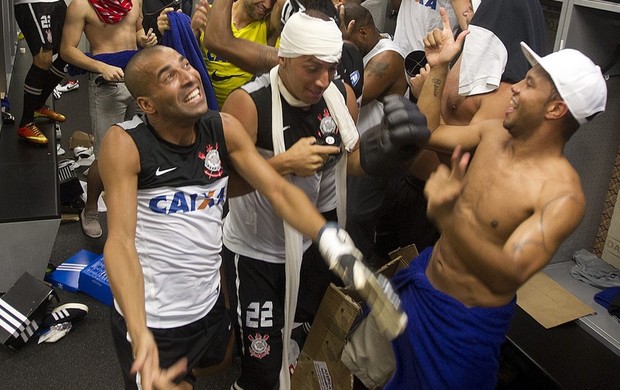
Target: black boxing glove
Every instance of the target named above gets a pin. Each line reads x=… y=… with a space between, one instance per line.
x=386 y=148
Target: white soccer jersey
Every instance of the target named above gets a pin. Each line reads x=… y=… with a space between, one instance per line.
x=181 y=193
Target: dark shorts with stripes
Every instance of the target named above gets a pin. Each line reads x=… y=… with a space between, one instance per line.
x=202 y=342
x=257 y=291
x=41 y=24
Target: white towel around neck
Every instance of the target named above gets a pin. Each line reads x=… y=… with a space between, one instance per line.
x=292 y=238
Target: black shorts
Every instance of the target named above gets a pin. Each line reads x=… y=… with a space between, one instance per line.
x=257 y=290
x=41 y=24
x=203 y=342
x=257 y=295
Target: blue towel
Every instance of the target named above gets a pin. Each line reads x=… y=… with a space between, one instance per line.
x=119 y=59
x=446 y=345
x=181 y=38
x=605 y=297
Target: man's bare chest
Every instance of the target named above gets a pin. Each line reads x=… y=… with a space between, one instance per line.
x=457 y=109
x=497 y=199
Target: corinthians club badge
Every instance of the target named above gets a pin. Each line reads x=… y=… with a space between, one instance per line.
x=259 y=348
x=328 y=134
x=213 y=164
x=328 y=131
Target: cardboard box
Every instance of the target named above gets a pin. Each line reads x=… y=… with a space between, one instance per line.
x=94 y=282
x=22 y=309
x=319 y=366
x=549 y=303
x=67 y=275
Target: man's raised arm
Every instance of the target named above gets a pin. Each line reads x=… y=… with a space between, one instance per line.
x=249 y=56
x=441 y=47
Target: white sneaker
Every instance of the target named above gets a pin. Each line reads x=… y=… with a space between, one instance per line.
x=82 y=151
x=68 y=86
x=59 y=150
x=90 y=223
x=85 y=156
x=85 y=161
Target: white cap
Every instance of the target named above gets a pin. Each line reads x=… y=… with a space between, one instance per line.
x=578 y=80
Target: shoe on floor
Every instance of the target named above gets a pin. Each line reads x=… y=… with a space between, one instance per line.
x=68 y=86
x=31 y=133
x=90 y=223
x=82 y=151
x=69 y=312
x=47 y=112
x=85 y=156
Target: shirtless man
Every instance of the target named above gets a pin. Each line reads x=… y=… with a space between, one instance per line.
x=114 y=34
x=501 y=217
x=488 y=81
x=459 y=109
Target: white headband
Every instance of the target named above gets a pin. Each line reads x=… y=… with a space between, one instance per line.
x=307 y=35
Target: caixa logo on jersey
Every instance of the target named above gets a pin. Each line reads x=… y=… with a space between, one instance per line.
x=181 y=202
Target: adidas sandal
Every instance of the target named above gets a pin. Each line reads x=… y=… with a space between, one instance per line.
x=69 y=312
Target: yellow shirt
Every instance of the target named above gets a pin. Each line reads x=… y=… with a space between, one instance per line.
x=226 y=77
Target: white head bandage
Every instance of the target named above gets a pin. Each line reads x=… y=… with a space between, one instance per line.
x=306 y=35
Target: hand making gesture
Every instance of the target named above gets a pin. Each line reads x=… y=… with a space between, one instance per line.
x=444 y=187
x=440 y=45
